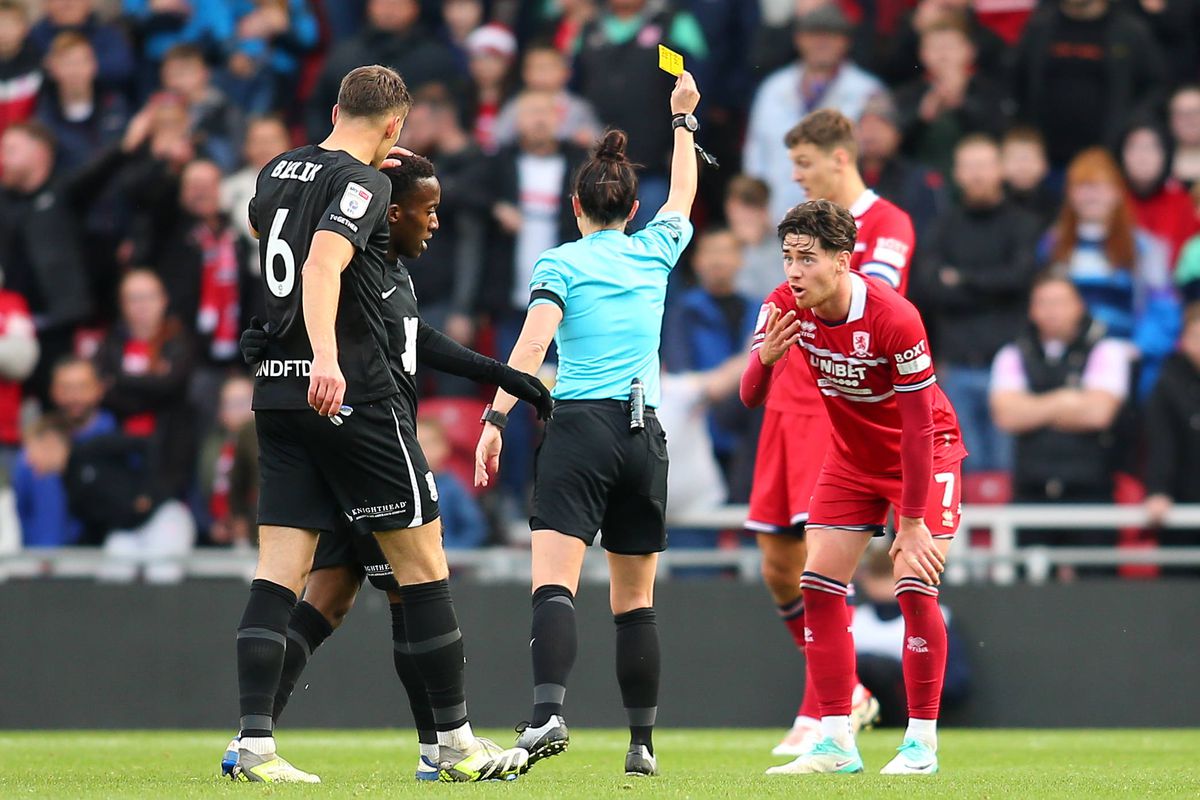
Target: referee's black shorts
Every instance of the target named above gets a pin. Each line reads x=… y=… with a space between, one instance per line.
x=368 y=471
x=593 y=474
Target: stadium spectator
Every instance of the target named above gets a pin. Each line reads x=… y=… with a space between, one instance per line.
x=1161 y=205
x=559 y=23
x=459 y=19
x=879 y=641
x=394 y=36
x=491 y=49
x=40 y=243
x=1006 y=18
x=145 y=363
x=18 y=356
x=710 y=323
x=748 y=212
x=530 y=187
x=950 y=99
x=545 y=69
x=1172 y=435
x=1073 y=52
x=463 y=526
x=20 y=65
x=266 y=137
x=1187 y=271
x=228 y=468
x=900 y=58
x=1122 y=272
x=1176 y=28
x=909 y=185
x=271 y=37
x=1185 y=130
x=616 y=70
x=215 y=122
x=1058 y=389
x=822 y=77
x=75 y=391
x=83 y=116
x=163 y=24
x=975 y=270
x=1026 y=174
x=115 y=59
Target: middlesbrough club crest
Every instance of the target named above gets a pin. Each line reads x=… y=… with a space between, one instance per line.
x=861 y=340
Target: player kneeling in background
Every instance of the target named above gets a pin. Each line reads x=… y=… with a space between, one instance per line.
x=895 y=443
x=344 y=557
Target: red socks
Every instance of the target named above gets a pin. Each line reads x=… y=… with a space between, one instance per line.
x=924 y=658
x=829 y=647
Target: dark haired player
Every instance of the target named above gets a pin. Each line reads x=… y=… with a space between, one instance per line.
x=896 y=444
x=322 y=210
x=343 y=559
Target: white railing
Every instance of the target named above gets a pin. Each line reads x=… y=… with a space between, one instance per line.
x=1000 y=561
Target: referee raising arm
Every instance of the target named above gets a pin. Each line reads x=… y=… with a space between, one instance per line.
x=603 y=461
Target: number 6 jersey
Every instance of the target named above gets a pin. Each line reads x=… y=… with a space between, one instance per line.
x=298 y=193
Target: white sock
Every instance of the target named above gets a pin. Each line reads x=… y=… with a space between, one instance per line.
x=806 y=722
x=430 y=751
x=838 y=729
x=461 y=738
x=923 y=730
x=259 y=745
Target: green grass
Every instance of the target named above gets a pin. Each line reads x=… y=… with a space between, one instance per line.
x=1086 y=764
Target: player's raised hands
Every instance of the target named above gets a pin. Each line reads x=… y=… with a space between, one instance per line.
x=782 y=331
x=916 y=553
x=685 y=96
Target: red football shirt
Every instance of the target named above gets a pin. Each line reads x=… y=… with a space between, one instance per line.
x=884 y=248
x=860 y=364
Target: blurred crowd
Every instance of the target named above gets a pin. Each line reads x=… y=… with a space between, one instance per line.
x=1048 y=154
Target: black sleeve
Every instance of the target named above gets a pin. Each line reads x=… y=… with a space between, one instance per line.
x=442 y=353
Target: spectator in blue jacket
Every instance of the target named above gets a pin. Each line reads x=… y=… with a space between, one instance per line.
x=83 y=116
x=114 y=56
x=711 y=322
x=463 y=525
x=271 y=37
x=163 y=24
x=75 y=391
x=1122 y=271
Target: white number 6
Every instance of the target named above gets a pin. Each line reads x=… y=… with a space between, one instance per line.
x=278 y=248
x=948 y=479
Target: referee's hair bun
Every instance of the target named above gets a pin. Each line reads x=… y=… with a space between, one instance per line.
x=612 y=146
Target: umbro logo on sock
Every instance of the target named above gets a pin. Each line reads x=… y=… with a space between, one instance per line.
x=918 y=645
x=808 y=637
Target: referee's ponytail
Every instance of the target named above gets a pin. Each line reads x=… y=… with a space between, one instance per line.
x=607 y=183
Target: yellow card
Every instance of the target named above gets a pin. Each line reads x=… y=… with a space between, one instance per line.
x=669 y=60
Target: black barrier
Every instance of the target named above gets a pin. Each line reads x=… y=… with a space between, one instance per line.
x=75 y=654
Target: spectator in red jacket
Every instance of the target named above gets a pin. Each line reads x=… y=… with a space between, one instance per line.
x=1161 y=203
x=20 y=65
x=18 y=355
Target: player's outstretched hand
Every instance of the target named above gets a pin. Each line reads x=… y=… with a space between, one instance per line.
x=685 y=96
x=915 y=550
x=487 y=454
x=395 y=157
x=253 y=343
x=782 y=331
x=529 y=388
x=326 y=386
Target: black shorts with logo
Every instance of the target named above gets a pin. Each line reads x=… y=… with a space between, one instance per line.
x=368 y=470
x=592 y=473
x=343 y=547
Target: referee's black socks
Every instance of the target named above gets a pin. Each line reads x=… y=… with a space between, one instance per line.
x=553 y=644
x=410 y=677
x=638 y=668
x=306 y=630
x=261 y=642
x=434 y=643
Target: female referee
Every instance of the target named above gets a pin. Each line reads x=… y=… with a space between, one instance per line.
x=602 y=464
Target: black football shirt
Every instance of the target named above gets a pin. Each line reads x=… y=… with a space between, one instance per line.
x=402 y=322
x=298 y=193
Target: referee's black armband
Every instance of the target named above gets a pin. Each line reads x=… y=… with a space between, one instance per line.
x=546 y=294
x=438 y=351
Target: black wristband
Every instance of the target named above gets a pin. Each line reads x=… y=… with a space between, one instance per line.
x=497 y=418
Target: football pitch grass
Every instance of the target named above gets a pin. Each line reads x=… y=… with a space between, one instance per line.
x=694 y=763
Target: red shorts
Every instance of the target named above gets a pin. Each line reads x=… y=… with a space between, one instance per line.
x=791 y=450
x=859 y=502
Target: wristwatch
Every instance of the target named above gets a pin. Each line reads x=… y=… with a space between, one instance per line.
x=497 y=418
x=688 y=121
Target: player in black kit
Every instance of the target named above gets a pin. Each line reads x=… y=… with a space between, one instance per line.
x=343 y=559
x=322 y=214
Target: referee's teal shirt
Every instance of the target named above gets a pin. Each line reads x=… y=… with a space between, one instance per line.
x=611 y=288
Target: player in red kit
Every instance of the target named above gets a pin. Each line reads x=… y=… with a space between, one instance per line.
x=825 y=158
x=896 y=444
